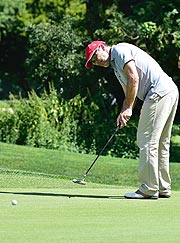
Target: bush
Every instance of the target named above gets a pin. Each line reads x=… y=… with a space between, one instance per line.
x=175 y=144
x=34 y=127
x=51 y=122
x=8 y=126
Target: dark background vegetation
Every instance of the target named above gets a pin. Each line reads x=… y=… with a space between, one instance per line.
x=56 y=102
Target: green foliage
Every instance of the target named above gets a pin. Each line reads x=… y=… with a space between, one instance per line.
x=15 y=18
x=32 y=123
x=164 y=40
x=120 y=28
x=17 y=14
x=9 y=10
x=53 y=55
x=175 y=143
x=51 y=122
x=8 y=124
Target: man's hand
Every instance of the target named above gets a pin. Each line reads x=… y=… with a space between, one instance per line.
x=124 y=117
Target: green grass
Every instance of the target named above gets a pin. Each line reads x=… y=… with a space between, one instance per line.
x=85 y=214
x=53 y=209
x=68 y=165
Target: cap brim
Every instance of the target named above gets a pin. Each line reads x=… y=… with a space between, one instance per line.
x=89 y=63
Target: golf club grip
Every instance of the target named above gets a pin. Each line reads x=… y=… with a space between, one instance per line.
x=108 y=141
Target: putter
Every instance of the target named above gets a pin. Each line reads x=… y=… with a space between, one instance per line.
x=82 y=182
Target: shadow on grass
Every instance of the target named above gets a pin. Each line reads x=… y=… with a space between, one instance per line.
x=61 y=195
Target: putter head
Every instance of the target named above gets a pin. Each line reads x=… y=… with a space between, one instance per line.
x=81 y=182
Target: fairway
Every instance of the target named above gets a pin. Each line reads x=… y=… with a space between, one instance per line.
x=78 y=214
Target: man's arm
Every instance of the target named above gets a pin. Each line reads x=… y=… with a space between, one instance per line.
x=130 y=93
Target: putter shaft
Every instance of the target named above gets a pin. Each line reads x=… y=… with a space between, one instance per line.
x=102 y=150
x=82 y=182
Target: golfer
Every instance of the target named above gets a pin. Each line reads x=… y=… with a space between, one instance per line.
x=141 y=76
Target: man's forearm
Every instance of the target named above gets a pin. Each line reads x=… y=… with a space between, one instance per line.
x=131 y=92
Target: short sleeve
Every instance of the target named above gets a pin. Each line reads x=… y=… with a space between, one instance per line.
x=123 y=55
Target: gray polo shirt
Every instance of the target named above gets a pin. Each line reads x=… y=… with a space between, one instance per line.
x=152 y=79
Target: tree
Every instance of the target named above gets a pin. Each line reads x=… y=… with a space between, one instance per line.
x=54 y=56
x=15 y=17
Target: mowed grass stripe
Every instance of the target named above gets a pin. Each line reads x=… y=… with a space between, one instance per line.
x=69 y=165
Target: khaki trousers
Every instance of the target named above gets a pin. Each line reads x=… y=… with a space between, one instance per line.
x=153 y=138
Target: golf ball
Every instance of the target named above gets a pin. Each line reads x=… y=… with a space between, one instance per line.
x=14 y=202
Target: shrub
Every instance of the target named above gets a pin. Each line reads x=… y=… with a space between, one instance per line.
x=51 y=122
x=8 y=126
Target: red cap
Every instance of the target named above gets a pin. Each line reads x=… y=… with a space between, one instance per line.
x=90 y=49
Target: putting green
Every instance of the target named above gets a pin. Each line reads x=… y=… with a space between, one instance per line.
x=91 y=214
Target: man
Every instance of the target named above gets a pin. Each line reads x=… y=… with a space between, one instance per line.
x=141 y=76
